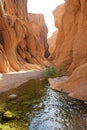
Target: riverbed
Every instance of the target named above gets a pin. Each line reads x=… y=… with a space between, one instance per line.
x=38 y=107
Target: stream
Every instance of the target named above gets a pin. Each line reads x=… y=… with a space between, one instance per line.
x=38 y=107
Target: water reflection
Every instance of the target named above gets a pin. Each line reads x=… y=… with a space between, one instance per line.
x=41 y=108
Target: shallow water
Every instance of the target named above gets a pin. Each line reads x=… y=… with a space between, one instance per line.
x=40 y=108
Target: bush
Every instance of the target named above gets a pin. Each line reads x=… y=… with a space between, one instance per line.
x=51 y=72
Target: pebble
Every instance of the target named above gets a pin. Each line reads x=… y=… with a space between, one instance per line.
x=85 y=102
x=12 y=96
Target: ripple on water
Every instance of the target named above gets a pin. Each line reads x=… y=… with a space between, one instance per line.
x=41 y=108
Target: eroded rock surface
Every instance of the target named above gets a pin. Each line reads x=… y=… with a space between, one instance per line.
x=71 y=46
x=23 y=37
x=71 y=20
x=52 y=45
x=75 y=85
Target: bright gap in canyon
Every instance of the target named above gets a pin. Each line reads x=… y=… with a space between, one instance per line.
x=45 y=7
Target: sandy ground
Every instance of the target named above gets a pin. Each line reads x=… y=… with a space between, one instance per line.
x=14 y=79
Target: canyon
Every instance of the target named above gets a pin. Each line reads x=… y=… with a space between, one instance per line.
x=24 y=44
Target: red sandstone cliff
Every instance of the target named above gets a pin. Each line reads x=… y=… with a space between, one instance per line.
x=71 y=46
x=23 y=37
x=71 y=43
x=52 y=45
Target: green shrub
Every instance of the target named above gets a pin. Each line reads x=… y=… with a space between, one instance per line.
x=51 y=72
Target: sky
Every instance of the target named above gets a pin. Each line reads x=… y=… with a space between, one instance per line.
x=45 y=7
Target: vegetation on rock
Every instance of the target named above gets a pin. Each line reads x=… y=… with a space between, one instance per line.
x=51 y=71
x=8 y=115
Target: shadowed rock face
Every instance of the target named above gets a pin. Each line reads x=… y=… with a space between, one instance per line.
x=23 y=37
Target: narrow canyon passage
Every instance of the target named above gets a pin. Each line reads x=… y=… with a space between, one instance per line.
x=55 y=58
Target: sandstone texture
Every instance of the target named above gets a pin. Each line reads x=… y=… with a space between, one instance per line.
x=75 y=85
x=23 y=43
x=52 y=45
x=71 y=47
x=23 y=37
x=71 y=41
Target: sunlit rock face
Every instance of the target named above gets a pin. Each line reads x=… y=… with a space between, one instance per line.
x=71 y=41
x=23 y=37
x=58 y=14
x=71 y=46
x=52 y=45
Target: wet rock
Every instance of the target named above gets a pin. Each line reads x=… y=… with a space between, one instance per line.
x=85 y=120
x=12 y=96
x=85 y=102
x=8 y=115
x=5 y=127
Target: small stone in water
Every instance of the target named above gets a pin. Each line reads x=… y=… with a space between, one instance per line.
x=85 y=102
x=12 y=96
x=9 y=115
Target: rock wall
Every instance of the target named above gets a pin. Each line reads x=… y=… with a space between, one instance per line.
x=75 y=85
x=52 y=45
x=23 y=37
x=71 y=42
x=71 y=47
